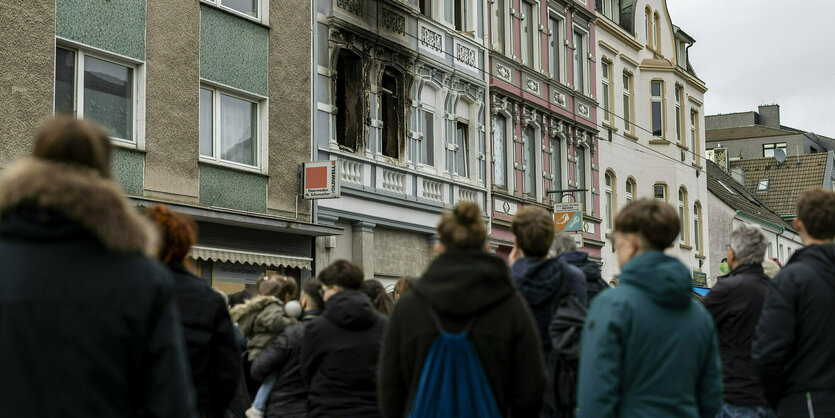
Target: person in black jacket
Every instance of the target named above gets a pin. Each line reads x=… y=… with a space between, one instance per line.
x=88 y=323
x=464 y=282
x=340 y=348
x=288 y=398
x=735 y=304
x=565 y=247
x=212 y=348
x=794 y=343
x=538 y=278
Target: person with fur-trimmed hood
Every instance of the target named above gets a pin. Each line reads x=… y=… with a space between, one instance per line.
x=261 y=318
x=89 y=325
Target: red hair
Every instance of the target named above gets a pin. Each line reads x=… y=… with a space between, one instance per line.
x=178 y=233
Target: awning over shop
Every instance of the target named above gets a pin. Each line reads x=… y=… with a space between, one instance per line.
x=247 y=257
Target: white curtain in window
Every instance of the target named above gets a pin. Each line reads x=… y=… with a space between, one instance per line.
x=238 y=130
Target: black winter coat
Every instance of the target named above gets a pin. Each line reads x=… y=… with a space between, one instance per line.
x=594 y=281
x=339 y=355
x=540 y=281
x=88 y=325
x=794 y=344
x=461 y=285
x=288 y=398
x=736 y=303
x=213 y=351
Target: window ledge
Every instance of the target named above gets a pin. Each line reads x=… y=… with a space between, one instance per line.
x=236 y=13
x=697 y=165
x=127 y=145
x=701 y=257
x=685 y=246
x=233 y=167
x=682 y=146
x=607 y=125
x=629 y=136
x=660 y=141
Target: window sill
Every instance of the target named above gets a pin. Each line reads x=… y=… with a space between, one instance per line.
x=607 y=125
x=697 y=165
x=233 y=167
x=127 y=145
x=236 y=13
x=685 y=247
x=660 y=141
x=701 y=257
x=630 y=137
x=682 y=146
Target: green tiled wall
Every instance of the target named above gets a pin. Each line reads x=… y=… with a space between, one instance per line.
x=233 y=50
x=129 y=170
x=116 y=26
x=232 y=189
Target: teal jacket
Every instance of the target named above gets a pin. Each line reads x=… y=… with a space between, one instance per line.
x=648 y=349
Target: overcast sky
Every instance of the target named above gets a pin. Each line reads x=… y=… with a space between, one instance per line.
x=753 y=52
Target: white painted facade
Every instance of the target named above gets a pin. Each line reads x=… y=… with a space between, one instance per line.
x=636 y=155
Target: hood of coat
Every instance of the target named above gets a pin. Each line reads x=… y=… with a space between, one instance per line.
x=351 y=309
x=822 y=256
x=461 y=283
x=537 y=279
x=663 y=278
x=575 y=257
x=80 y=195
x=253 y=307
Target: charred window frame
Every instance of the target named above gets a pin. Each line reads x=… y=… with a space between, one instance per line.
x=391 y=105
x=348 y=100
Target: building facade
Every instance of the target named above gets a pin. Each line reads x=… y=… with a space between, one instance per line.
x=543 y=111
x=401 y=102
x=652 y=123
x=206 y=112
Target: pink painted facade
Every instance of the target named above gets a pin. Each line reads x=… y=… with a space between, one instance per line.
x=528 y=94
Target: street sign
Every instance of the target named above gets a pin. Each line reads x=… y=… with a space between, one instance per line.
x=568 y=217
x=321 y=180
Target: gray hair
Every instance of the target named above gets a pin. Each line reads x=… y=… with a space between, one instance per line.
x=563 y=243
x=749 y=244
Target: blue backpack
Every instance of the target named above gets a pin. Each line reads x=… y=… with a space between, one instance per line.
x=453 y=383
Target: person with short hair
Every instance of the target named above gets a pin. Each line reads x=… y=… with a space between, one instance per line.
x=89 y=324
x=210 y=338
x=341 y=347
x=464 y=283
x=735 y=304
x=565 y=247
x=648 y=349
x=794 y=342
x=539 y=278
x=377 y=295
x=288 y=398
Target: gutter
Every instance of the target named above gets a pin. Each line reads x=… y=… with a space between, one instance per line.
x=780 y=228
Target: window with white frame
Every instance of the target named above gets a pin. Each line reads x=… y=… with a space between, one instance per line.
x=579 y=60
x=229 y=128
x=458 y=156
x=697 y=228
x=100 y=89
x=657 y=106
x=694 y=134
x=425 y=7
x=627 y=102
x=426 y=147
x=679 y=130
x=460 y=14
x=555 y=46
x=609 y=8
x=630 y=191
x=768 y=149
x=248 y=7
x=682 y=214
x=580 y=174
x=499 y=151
x=611 y=199
x=529 y=161
x=648 y=26
x=528 y=33
x=556 y=166
x=605 y=91
x=500 y=10
x=659 y=191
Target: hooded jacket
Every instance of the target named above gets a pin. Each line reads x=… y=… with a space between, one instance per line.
x=213 y=351
x=260 y=319
x=461 y=285
x=539 y=281
x=289 y=395
x=594 y=281
x=648 y=349
x=88 y=325
x=794 y=343
x=735 y=304
x=339 y=355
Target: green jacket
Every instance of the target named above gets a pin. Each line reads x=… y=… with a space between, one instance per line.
x=648 y=349
x=260 y=320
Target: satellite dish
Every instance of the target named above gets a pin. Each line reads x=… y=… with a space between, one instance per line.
x=780 y=155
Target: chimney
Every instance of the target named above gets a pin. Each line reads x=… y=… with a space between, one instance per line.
x=720 y=156
x=769 y=115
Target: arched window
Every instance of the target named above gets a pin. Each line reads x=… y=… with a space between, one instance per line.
x=555 y=167
x=529 y=161
x=697 y=228
x=611 y=199
x=657 y=39
x=648 y=26
x=630 y=190
x=682 y=214
x=580 y=174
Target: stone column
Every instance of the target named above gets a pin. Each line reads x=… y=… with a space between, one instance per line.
x=363 y=247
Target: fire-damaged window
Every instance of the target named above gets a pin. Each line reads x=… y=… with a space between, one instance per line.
x=390 y=105
x=348 y=99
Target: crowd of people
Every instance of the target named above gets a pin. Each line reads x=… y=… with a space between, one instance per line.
x=101 y=315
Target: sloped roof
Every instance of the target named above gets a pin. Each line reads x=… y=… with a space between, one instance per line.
x=743 y=132
x=723 y=186
x=785 y=181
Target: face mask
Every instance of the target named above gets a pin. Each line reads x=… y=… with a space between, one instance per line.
x=723 y=268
